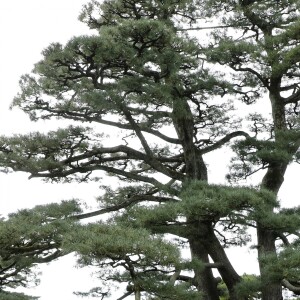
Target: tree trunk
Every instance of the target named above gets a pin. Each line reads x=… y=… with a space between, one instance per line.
x=266 y=245
x=137 y=294
x=227 y=272
x=195 y=168
x=204 y=278
x=203 y=242
x=272 y=181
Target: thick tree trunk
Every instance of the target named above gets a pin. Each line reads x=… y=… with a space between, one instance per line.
x=203 y=242
x=266 y=245
x=274 y=176
x=227 y=272
x=195 y=168
x=272 y=181
x=204 y=278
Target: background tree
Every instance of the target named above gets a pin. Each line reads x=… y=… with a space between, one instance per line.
x=260 y=44
x=144 y=75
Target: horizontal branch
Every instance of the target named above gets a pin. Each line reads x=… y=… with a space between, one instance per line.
x=213 y=265
x=87 y=169
x=132 y=200
x=223 y=141
x=294 y=98
x=89 y=117
x=291 y=287
x=93 y=160
x=50 y=257
x=207 y=27
x=255 y=73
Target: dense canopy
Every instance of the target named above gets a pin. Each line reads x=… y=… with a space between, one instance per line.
x=156 y=87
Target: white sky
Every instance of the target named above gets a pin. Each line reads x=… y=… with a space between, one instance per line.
x=26 y=27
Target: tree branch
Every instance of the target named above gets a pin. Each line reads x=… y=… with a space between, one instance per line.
x=250 y=70
x=125 y=295
x=283 y=238
x=223 y=141
x=91 y=116
x=87 y=169
x=294 y=98
x=136 y=128
x=291 y=287
x=132 y=200
x=207 y=28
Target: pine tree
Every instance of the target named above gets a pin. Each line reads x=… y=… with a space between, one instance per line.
x=143 y=74
x=260 y=43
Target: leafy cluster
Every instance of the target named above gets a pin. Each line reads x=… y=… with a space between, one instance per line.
x=164 y=94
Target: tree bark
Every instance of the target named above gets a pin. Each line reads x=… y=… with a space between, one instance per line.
x=226 y=270
x=266 y=245
x=137 y=294
x=204 y=278
x=195 y=168
x=272 y=181
x=202 y=239
x=203 y=242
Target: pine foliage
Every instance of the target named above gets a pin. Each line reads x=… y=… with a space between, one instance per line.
x=170 y=97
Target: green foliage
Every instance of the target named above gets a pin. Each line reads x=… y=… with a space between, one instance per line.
x=249 y=287
x=284 y=266
x=123 y=253
x=223 y=200
x=104 y=240
x=144 y=75
x=254 y=153
x=32 y=236
x=15 y=296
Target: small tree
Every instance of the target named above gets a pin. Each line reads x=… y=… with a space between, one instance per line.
x=145 y=76
x=260 y=43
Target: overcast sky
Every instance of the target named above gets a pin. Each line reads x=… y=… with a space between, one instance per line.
x=26 y=27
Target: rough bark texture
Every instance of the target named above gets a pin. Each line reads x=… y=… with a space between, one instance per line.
x=195 y=169
x=272 y=181
x=204 y=278
x=228 y=273
x=203 y=241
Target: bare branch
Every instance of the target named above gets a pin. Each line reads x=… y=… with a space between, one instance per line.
x=84 y=115
x=294 y=98
x=207 y=28
x=137 y=129
x=223 y=141
x=132 y=200
x=125 y=295
x=250 y=70
x=283 y=238
x=291 y=287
